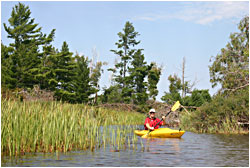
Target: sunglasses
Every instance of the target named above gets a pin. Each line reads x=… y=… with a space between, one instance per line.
x=152 y=112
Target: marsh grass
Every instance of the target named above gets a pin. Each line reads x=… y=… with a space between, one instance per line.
x=61 y=127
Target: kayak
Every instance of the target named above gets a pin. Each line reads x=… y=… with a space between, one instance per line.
x=161 y=133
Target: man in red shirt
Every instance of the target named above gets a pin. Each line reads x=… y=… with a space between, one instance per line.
x=151 y=121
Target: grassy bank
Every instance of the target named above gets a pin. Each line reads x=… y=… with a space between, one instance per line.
x=55 y=126
x=222 y=115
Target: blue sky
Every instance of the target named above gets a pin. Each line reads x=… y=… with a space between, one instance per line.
x=169 y=31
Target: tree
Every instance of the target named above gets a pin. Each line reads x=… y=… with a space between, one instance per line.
x=27 y=40
x=154 y=74
x=7 y=79
x=198 y=98
x=174 y=89
x=112 y=94
x=65 y=74
x=138 y=73
x=130 y=74
x=46 y=68
x=125 y=51
x=230 y=68
x=83 y=88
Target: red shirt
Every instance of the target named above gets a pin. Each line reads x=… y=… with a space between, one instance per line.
x=152 y=122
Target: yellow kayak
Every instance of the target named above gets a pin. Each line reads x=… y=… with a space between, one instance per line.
x=161 y=133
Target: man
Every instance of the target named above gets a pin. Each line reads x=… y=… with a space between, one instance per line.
x=151 y=121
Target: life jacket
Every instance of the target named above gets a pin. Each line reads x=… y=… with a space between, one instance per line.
x=152 y=122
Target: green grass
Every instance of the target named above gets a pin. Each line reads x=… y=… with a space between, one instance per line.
x=56 y=126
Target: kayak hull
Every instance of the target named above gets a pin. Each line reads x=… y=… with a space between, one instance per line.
x=161 y=133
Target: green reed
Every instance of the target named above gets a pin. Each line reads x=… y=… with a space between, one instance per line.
x=56 y=126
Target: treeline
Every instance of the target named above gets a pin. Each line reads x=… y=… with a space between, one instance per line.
x=31 y=61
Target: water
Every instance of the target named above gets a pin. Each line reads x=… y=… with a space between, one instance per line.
x=192 y=150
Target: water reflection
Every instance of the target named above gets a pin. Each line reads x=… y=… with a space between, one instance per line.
x=159 y=144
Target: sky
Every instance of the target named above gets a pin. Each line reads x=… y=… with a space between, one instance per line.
x=169 y=31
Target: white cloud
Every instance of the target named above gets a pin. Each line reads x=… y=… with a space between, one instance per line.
x=202 y=12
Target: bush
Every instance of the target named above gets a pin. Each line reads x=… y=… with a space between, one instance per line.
x=222 y=114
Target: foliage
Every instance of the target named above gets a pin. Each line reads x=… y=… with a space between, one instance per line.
x=174 y=89
x=82 y=86
x=112 y=94
x=27 y=40
x=125 y=50
x=131 y=72
x=32 y=60
x=64 y=74
x=7 y=76
x=222 y=114
x=138 y=73
x=154 y=74
x=231 y=105
x=230 y=68
x=197 y=99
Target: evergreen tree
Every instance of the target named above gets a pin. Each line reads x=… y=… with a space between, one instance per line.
x=154 y=74
x=83 y=88
x=174 y=90
x=65 y=73
x=138 y=73
x=47 y=65
x=27 y=39
x=112 y=94
x=125 y=51
x=7 y=80
x=198 y=98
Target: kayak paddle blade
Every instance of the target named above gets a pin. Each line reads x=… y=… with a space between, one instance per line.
x=175 y=106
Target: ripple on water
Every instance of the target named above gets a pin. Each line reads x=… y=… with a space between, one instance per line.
x=191 y=150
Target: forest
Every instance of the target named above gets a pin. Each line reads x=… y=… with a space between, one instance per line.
x=32 y=68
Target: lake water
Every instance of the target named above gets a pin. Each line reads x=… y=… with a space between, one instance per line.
x=192 y=150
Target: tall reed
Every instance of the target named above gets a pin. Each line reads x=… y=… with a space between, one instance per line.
x=56 y=126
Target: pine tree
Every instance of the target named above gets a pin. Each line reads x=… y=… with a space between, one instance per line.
x=7 y=80
x=83 y=88
x=27 y=38
x=125 y=51
x=65 y=65
x=174 y=90
x=45 y=69
x=154 y=74
x=138 y=73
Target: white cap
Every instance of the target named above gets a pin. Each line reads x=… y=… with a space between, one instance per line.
x=152 y=110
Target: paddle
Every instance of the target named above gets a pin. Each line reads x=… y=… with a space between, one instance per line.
x=175 y=107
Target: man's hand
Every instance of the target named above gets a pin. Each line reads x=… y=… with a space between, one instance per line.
x=163 y=117
x=152 y=128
